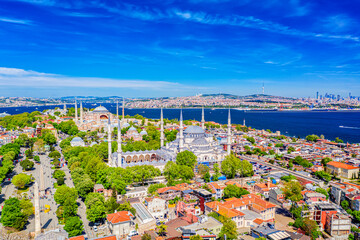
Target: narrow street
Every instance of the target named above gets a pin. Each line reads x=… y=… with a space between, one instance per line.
x=82 y=208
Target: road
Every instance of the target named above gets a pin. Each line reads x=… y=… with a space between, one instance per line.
x=49 y=220
x=317 y=181
x=82 y=208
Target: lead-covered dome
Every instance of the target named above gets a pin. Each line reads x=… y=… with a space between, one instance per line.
x=194 y=130
x=100 y=109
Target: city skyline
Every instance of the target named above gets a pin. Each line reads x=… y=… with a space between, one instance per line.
x=173 y=48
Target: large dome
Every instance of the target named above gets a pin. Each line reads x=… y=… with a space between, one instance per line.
x=194 y=130
x=100 y=109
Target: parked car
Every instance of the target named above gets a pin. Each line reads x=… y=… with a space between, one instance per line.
x=95 y=229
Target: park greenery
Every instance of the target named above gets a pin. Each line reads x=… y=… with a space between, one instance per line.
x=312 y=138
x=229 y=229
x=22 y=120
x=27 y=164
x=302 y=162
x=323 y=175
x=288 y=178
x=232 y=166
x=204 y=172
x=234 y=191
x=21 y=180
x=16 y=212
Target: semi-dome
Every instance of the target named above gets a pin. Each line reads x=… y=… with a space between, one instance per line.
x=200 y=142
x=76 y=139
x=194 y=130
x=143 y=132
x=126 y=125
x=132 y=129
x=100 y=109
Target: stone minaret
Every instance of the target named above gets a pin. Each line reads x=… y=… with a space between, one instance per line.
x=244 y=123
x=117 y=109
x=109 y=143
x=76 y=113
x=162 y=137
x=65 y=107
x=123 y=110
x=202 y=119
x=181 y=128
x=229 y=134
x=119 y=150
x=81 y=113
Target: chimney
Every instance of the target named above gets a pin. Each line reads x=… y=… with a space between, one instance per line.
x=217 y=207
x=268 y=182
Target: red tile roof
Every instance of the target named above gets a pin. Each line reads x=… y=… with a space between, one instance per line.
x=341 y=165
x=77 y=238
x=122 y=216
x=162 y=190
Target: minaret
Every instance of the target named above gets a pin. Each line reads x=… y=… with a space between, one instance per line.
x=65 y=107
x=181 y=128
x=81 y=113
x=123 y=110
x=202 y=119
x=162 y=138
x=76 y=113
x=117 y=109
x=229 y=134
x=109 y=143
x=244 y=123
x=119 y=150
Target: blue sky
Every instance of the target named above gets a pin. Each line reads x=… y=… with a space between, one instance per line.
x=52 y=48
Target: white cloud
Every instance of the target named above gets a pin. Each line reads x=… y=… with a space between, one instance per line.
x=25 y=78
x=16 y=21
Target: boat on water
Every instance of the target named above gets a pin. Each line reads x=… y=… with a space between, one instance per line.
x=213 y=109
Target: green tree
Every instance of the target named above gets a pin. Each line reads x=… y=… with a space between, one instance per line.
x=54 y=155
x=323 y=191
x=217 y=173
x=229 y=229
x=338 y=140
x=12 y=216
x=27 y=164
x=234 y=191
x=345 y=204
x=69 y=208
x=85 y=186
x=323 y=175
x=230 y=165
x=146 y=236
x=186 y=158
x=96 y=211
x=58 y=174
x=203 y=169
x=312 y=138
x=162 y=230
x=196 y=237
x=73 y=226
x=27 y=207
x=21 y=180
x=37 y=158
x=325 y=161
x=292 y=191
x=64 y=192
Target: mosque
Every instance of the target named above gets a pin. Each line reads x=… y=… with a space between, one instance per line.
x=193 y=138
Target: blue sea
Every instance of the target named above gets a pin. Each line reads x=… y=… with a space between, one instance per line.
x=345 y=125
